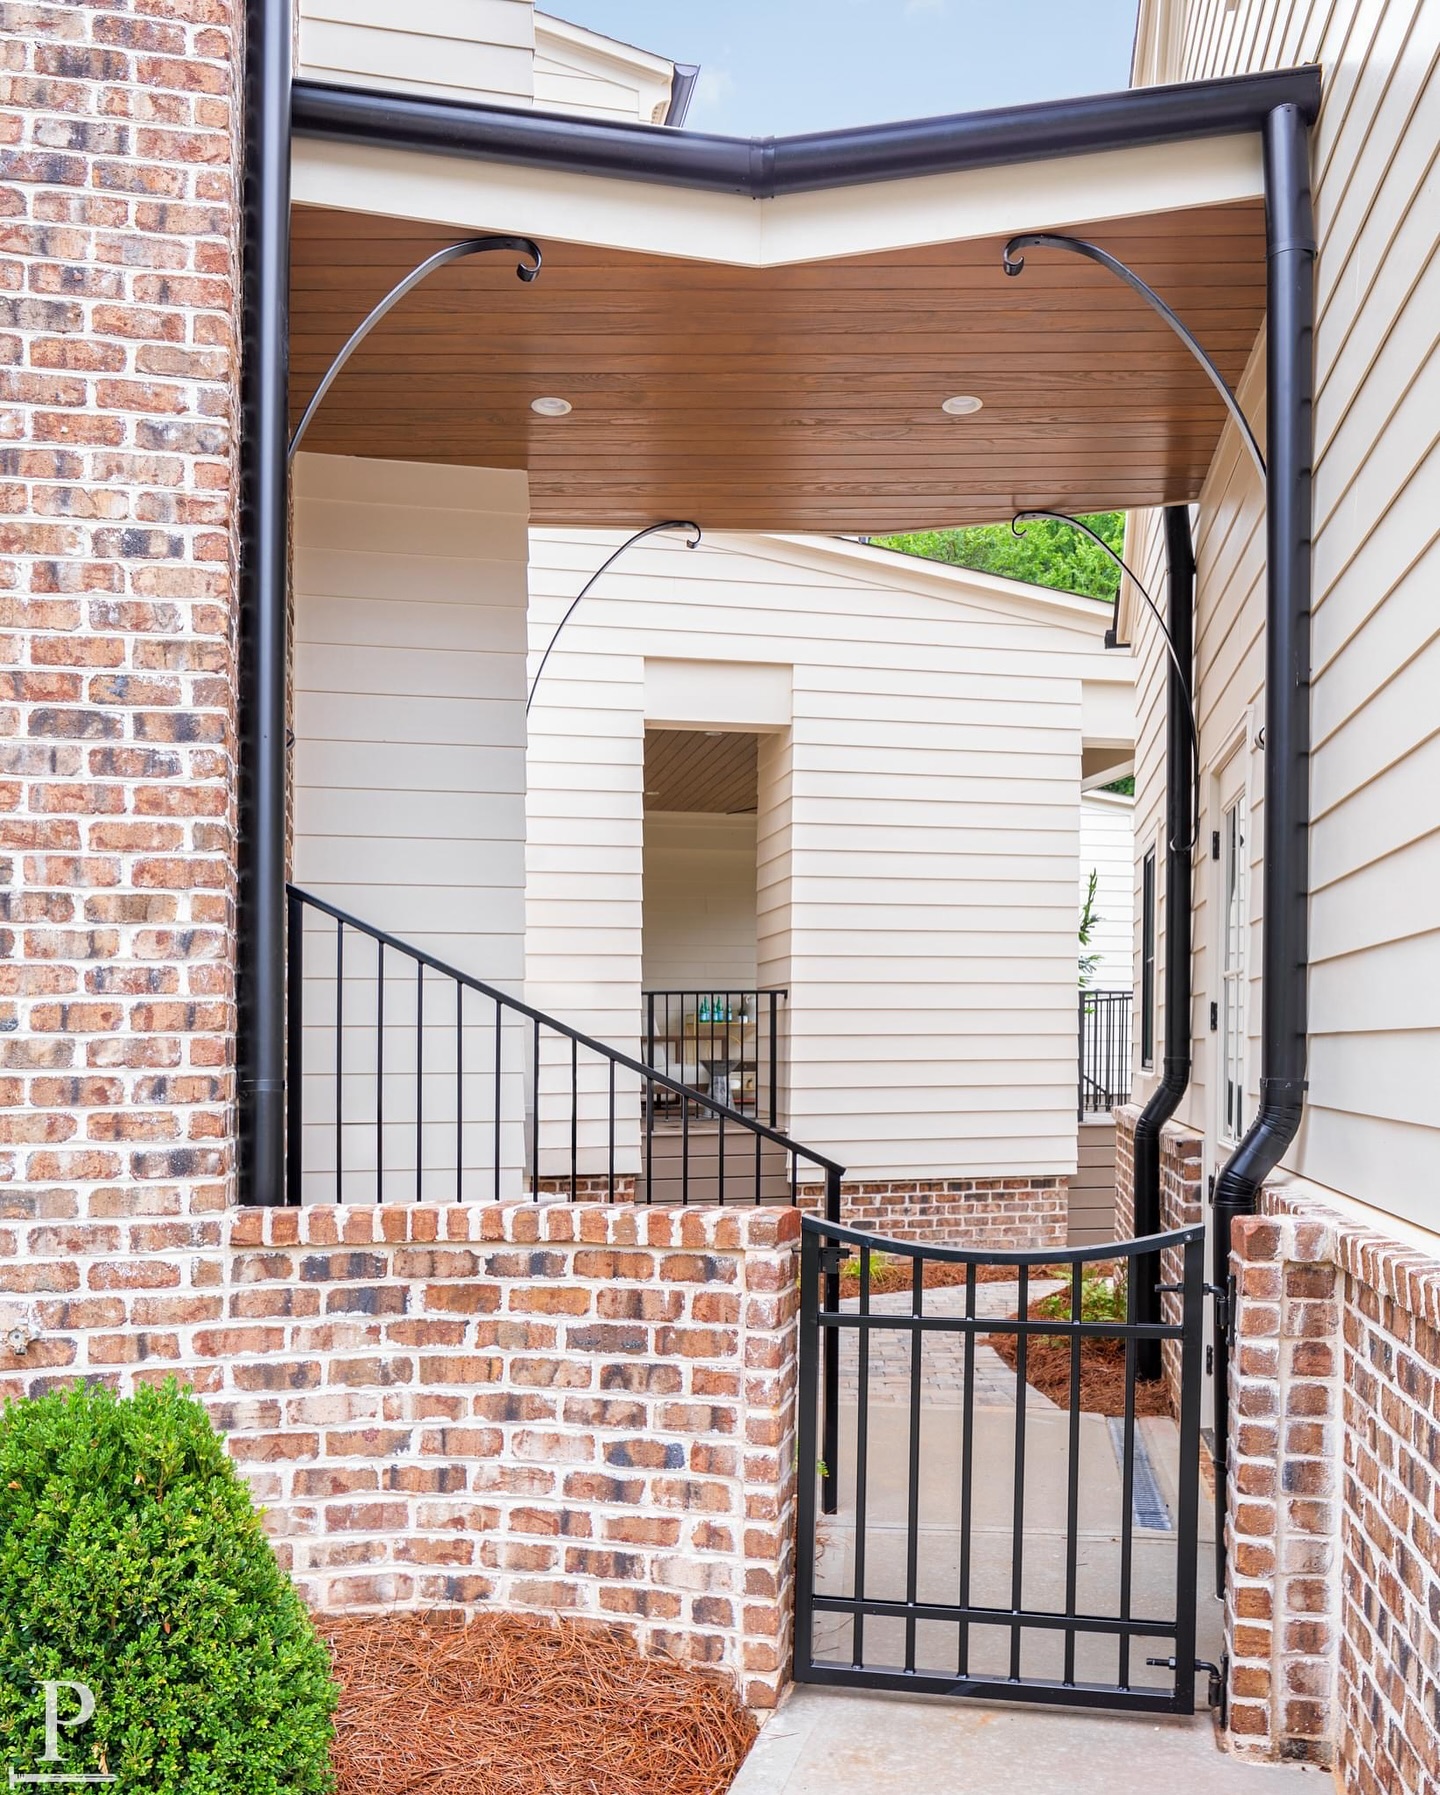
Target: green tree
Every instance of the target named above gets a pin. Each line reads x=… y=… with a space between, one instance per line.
x=1045 y=553
x=1089 y=922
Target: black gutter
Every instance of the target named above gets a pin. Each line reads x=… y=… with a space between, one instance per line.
x=1290 y=405
x=1179 y=860
x=763 y=167
x=264 y=541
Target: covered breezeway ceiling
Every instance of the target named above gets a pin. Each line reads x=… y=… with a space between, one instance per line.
x=797 y=397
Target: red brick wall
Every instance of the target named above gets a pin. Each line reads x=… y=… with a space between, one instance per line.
x=118 y=299
x=582 y=1409
x=1353 y=1583
x=976 y=1212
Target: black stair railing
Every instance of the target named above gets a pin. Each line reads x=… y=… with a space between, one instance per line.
x=408 y=1078
x=724 y=1041
x=1104 y=1051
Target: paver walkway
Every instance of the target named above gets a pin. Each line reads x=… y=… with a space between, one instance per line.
x=942 y=1361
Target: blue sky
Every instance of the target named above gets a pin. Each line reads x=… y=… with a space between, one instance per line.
x=810 y=65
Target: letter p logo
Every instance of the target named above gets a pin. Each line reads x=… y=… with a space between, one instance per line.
x=53 y=1722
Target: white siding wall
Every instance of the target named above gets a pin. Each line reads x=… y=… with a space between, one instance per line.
x=920 y=816
x=699 y=886
x=1107 y=846
x=1372 y=1126
x=477 y=50
x=497 y=52
x=409 y=759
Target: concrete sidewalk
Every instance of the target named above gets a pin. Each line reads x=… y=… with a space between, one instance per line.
x=833 y=1742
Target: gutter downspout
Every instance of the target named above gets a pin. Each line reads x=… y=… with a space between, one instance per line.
x=682 y=92
x=263 y=624
x=1290 y=404
x=1179 y=854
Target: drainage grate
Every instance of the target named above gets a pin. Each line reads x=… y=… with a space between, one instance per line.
x=1147 y=1504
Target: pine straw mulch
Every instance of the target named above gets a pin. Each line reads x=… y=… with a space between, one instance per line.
x=1102 y=1366
x=505 y=1704
x=890 y=1272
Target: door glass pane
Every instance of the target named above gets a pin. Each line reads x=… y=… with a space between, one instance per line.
x=1235 y=921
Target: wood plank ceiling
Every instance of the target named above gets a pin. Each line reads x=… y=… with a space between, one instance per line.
x=696 y=769
x=795 y=398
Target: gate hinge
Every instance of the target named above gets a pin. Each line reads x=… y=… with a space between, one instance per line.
x=832 y=1258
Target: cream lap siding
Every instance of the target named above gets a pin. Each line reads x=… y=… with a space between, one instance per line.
x=408 y=780
x=918 y=829
x=1107 y=846
x=1372 y=1128
x=579 y=71
x=482 y=51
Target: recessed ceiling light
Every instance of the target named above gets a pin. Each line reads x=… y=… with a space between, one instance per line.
x=962 y=405
x=551 y=407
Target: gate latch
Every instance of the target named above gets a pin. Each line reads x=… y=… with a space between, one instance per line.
x=1215 y=1686
x=832 y=1258
x=1224 y=1308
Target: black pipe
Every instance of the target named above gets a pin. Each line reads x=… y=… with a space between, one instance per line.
x=1290 y=405
x=1180 y=752
x=264 y=498
x=762 y=167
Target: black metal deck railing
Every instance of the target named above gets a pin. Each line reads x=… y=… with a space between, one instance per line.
x=724 y=1042
x=410 y=1079
x=1103 y=1080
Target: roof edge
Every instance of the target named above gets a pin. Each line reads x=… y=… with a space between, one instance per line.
x=769 y=167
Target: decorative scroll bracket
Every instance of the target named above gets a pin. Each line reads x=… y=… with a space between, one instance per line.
x=1013 y=263
x=451 y=253
x=629 y=542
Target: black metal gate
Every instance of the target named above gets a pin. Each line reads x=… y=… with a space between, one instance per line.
x=962 y=1533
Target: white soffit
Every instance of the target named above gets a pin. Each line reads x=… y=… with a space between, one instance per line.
x=868 y=219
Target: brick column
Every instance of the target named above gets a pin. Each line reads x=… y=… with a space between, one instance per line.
x=118 y=302
x=1283 y=1589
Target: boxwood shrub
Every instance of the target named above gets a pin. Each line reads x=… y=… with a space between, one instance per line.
x=132 y=1560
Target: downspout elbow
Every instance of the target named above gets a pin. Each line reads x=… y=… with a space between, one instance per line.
x=1282 y=1104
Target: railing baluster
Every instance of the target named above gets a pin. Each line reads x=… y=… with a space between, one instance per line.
x=1127 y=1477
x=720 y=1163
x=649 y=1142
x=339 y=1072
x=1017 y=1533
x=967 y=1469
x=862 y=1452
x=912 y=1487
x=380 y=1072
x=574 y=1113
x=612 y=1132
x=419 y=1080
x=1072 y=1479
x=294 y=1048
x=684 y=1150
x=774 y=1058
x=535 y=1142
x=499 y=1049
x=459 y=1091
